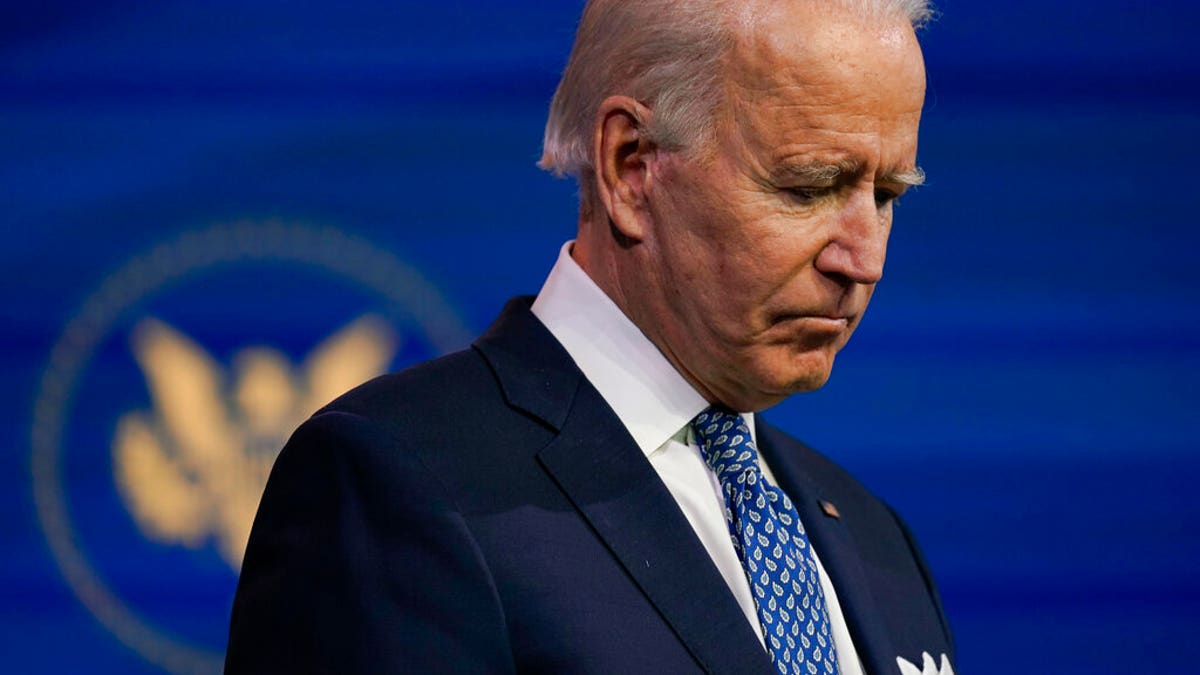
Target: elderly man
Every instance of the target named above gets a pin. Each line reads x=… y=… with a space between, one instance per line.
x=583 y=490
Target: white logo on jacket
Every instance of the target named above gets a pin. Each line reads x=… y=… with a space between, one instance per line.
x=928 y=668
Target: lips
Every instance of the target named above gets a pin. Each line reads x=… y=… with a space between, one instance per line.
x=816 y=317
x=832 y=322
x=811 y=330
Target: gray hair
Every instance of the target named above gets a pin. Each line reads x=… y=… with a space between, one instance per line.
x=664 y=53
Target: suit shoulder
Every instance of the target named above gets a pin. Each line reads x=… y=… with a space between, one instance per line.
x=429 y=409
x=451 y=414
x=423 y=389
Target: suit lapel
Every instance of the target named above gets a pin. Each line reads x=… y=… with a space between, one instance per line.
x=832 y=542
x=609 y=480
x=601 y=470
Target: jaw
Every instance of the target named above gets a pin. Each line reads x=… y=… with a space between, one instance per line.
x=777 y=375
x=750 y=377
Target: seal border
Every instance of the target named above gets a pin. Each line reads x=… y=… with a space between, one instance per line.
x=347 y=256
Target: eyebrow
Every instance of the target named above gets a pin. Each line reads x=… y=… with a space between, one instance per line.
x=830 y=172
x=914 y=177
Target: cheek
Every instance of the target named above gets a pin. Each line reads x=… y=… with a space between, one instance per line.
x=724 y=250
x=777 y=252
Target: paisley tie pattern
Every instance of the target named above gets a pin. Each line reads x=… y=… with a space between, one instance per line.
x=774 y=550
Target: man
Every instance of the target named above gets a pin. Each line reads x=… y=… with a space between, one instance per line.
x=582 y=491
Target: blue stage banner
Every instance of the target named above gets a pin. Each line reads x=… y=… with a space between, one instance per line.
x=218 y=216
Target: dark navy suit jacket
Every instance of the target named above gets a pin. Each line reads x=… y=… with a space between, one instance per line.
x=487 y=512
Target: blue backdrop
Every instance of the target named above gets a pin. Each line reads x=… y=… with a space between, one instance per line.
x=1023 y=390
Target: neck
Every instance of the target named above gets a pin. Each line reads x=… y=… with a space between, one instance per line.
x=600 y=257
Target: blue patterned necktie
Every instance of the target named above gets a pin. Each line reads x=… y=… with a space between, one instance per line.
x=774 y=550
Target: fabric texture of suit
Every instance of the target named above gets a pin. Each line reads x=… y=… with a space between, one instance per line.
x=487 y=512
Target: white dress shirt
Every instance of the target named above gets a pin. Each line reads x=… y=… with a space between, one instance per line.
x=656 y=405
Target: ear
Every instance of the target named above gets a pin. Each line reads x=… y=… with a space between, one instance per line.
x=623 y=152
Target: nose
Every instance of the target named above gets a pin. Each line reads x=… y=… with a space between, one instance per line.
x=858 y=243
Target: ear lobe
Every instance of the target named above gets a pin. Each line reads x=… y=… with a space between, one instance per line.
x=622 y=152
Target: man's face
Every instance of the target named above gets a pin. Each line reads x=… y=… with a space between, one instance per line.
x=763 y=250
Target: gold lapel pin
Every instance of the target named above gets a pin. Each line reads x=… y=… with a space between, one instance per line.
x=830 y=510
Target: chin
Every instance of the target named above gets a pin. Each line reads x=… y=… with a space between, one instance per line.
x=774 y=383
x=809 y=383
x=758 y=379
x=804 y=373
x=805 y=382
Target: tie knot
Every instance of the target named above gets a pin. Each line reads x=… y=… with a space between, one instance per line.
x=725 y=442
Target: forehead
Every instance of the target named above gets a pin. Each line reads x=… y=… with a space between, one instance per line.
x=803 y=66
x=777 y=33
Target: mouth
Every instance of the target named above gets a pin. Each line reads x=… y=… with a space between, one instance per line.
x=812 y=329
x=830 y=322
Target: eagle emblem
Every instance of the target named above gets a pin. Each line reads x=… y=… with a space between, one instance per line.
x=192 y=469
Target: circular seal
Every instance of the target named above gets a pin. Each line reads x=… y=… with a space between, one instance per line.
x=185 y=472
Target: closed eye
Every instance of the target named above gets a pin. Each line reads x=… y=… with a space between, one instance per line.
x=807 y=195
x=886 y=197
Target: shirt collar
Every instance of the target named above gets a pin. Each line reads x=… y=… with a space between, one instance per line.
x=648 y=395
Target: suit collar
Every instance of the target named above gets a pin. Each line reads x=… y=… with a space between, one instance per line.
x=535 y=373
x=600 y=468
x=832 y=541
x=652 y=400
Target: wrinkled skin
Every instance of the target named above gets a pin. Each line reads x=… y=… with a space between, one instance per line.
x=746 y=265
